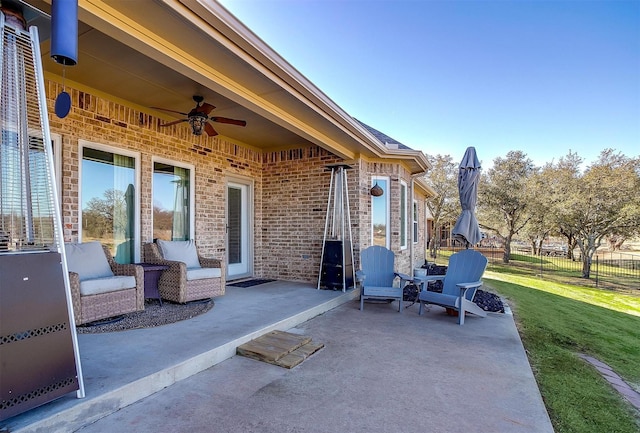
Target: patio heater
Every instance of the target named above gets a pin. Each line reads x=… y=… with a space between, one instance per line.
x=336 y=262
x=38 y=343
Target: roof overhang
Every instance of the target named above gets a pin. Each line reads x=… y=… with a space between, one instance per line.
x=158 y=53
x=423 y=187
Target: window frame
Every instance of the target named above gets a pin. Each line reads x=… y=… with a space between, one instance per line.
x=404 y=220
x=82 y=144
x=416 y=217
x=386 y=194
x=56 y=147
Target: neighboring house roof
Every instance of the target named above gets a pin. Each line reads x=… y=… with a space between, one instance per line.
x=391 y=143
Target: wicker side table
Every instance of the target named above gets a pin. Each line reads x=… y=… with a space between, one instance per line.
x=152 y=275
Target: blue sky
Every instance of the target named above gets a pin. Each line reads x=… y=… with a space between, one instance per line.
x=544 y=77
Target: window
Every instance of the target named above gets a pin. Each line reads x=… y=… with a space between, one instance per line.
x=172 y=201
x=403 y=215
x=109 y=200
x=380 y=214
x=415 y=222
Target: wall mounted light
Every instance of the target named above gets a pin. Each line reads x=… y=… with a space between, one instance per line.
x=376 y=190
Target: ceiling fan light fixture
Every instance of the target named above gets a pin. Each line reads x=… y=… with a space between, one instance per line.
x=197 y=122
x=198 y=118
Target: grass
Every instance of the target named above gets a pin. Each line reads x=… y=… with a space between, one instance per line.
x=558 y=320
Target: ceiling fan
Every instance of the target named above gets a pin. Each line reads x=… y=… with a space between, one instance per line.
x=198 y=118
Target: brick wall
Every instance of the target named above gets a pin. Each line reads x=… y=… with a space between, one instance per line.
x=295 y=193
x=396 y=174
x=290 y=188
x=105 y=122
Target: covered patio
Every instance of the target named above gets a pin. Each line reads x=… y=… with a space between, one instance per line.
x=444 y=378
x=120 y=368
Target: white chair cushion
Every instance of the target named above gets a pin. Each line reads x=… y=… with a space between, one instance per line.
x=180 y=251
x=203 y=273
x=104 y=285
x=87 y=260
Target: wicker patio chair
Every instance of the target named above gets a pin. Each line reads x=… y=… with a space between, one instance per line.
x=190 y=276
x=100 y=287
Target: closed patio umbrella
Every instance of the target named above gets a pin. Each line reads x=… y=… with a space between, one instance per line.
x=467 y=228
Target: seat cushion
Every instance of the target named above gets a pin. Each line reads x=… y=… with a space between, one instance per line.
x=180 y=251
x=87 y=260
x=203 y=273
x=96 y=286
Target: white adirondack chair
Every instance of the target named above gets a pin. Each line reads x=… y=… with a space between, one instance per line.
x=377 y=274
x=460 y=283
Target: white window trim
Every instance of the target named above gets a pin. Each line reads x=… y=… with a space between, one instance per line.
x=106 y=148
x=192 y=193
x=386 y=194
x=404 y=194
x=250 y=184
x=56 y=144
x=415 y=216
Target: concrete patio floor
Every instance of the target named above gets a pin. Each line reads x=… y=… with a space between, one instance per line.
x=379 y=371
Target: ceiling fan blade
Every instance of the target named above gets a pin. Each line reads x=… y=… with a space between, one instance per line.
x=175 y=122
x=170 y=111
x=205 y=108
x=229 y=121
x=209 y=130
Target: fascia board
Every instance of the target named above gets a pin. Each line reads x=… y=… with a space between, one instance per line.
x=420 y=158
x=421 y=184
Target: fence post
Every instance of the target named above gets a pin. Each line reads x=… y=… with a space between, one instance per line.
x=596 y=270
x=540 y=254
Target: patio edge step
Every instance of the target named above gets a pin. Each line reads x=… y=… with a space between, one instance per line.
x=92 y=408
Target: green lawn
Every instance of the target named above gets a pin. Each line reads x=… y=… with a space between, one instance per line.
x=557 y=321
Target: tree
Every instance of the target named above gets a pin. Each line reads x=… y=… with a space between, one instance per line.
x=541 y=222
x=102 y=217
x=615 y=241
x=606 y=201
x=563 y=181
x=503 y=198
x=162 y=222
x=443 y=179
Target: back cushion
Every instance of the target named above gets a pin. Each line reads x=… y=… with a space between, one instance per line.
x=88 y=260
x=180 y=251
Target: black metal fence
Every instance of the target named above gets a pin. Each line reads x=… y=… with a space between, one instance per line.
x=607 y=267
